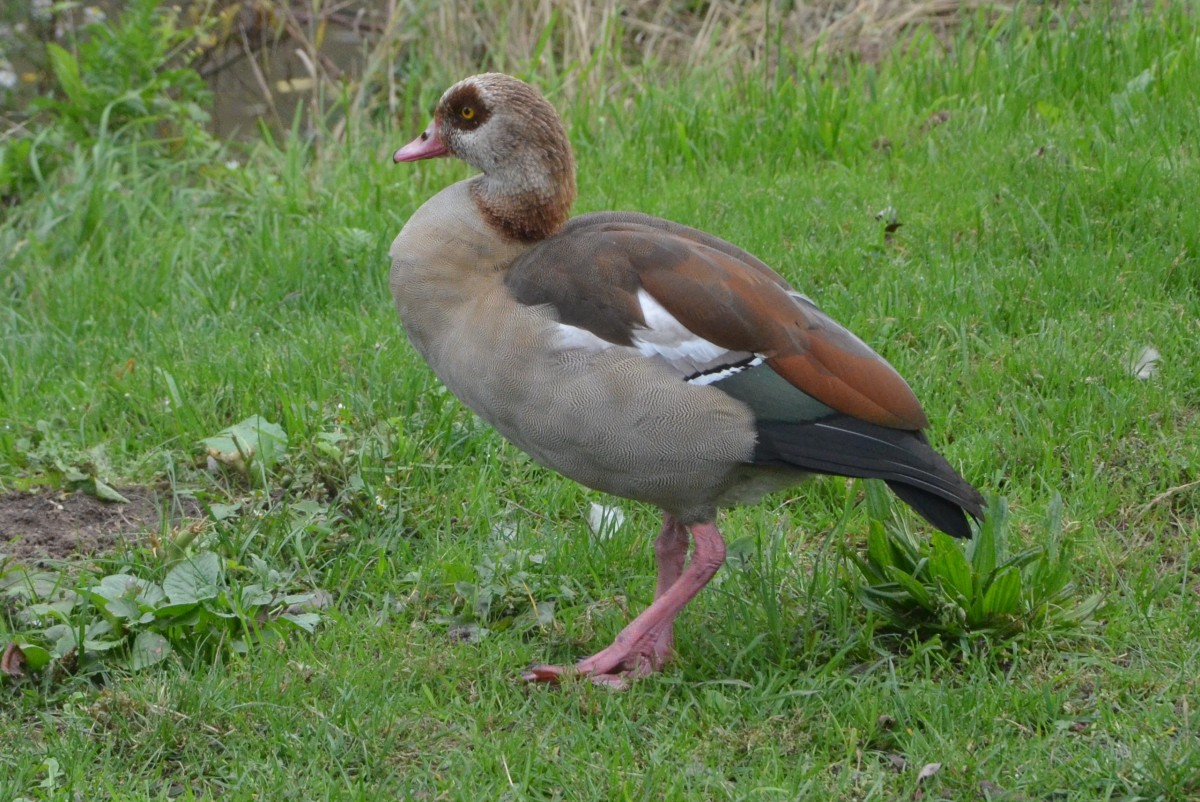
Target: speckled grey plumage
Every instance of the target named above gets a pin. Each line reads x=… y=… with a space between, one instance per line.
x=611 y=419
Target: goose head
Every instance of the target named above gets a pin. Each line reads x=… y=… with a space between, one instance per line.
x=504 y=128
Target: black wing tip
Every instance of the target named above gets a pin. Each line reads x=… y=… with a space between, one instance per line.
x=846 y=446
x=951 y=515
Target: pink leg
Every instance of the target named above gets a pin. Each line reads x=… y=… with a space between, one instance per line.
x=633 y=652
x=670 y=553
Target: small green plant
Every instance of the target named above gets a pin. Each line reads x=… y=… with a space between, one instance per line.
x=507 y=593
x=45 y=451
x=126 y=80
x=126 y=77
x=251 y=447
x=203 y=605
x=19 y=171
x=944 y=587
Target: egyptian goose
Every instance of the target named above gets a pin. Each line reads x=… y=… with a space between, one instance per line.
x=638 y=356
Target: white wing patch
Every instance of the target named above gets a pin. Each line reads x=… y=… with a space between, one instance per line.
x=569 y=338
x=667 y=337
x=697 y=360
x=664 y=338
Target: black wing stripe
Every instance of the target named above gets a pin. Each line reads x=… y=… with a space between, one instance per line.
x=846 y=446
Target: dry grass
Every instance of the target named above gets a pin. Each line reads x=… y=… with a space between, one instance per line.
x=597 y=47
x=591 y=45
x=667 y=32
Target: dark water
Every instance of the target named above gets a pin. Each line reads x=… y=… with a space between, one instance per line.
x=240 y=101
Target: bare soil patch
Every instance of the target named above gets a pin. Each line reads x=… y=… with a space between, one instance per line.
x=53 y=524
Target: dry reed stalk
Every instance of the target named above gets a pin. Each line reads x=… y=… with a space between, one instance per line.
x=596 y=48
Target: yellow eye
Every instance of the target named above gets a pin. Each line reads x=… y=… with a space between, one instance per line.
x=467 y=113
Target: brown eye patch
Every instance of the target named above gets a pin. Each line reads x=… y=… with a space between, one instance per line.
x=465 y=109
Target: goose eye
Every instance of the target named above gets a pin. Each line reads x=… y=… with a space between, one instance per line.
x=467 y=113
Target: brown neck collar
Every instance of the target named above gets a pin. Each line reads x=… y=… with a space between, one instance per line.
x=526 y=215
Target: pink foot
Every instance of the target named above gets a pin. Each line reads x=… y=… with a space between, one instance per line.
x=645 y=645
x=556 y=674
x=613 y=667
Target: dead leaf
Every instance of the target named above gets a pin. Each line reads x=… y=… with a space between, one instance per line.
x=317 y=600
x=125 y=370
x=928 y=770
x=12 y=662
x=934 y=120
x=898 y=762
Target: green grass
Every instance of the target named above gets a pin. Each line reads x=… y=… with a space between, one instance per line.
x=1045 y=180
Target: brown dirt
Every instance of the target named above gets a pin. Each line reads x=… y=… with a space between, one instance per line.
x=51 y=524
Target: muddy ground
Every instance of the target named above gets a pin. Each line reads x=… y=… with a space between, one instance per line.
x=52 y=525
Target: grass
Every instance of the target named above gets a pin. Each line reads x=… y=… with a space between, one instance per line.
x=1044 y=180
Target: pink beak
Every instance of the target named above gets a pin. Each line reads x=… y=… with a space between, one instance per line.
x=428 y=145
